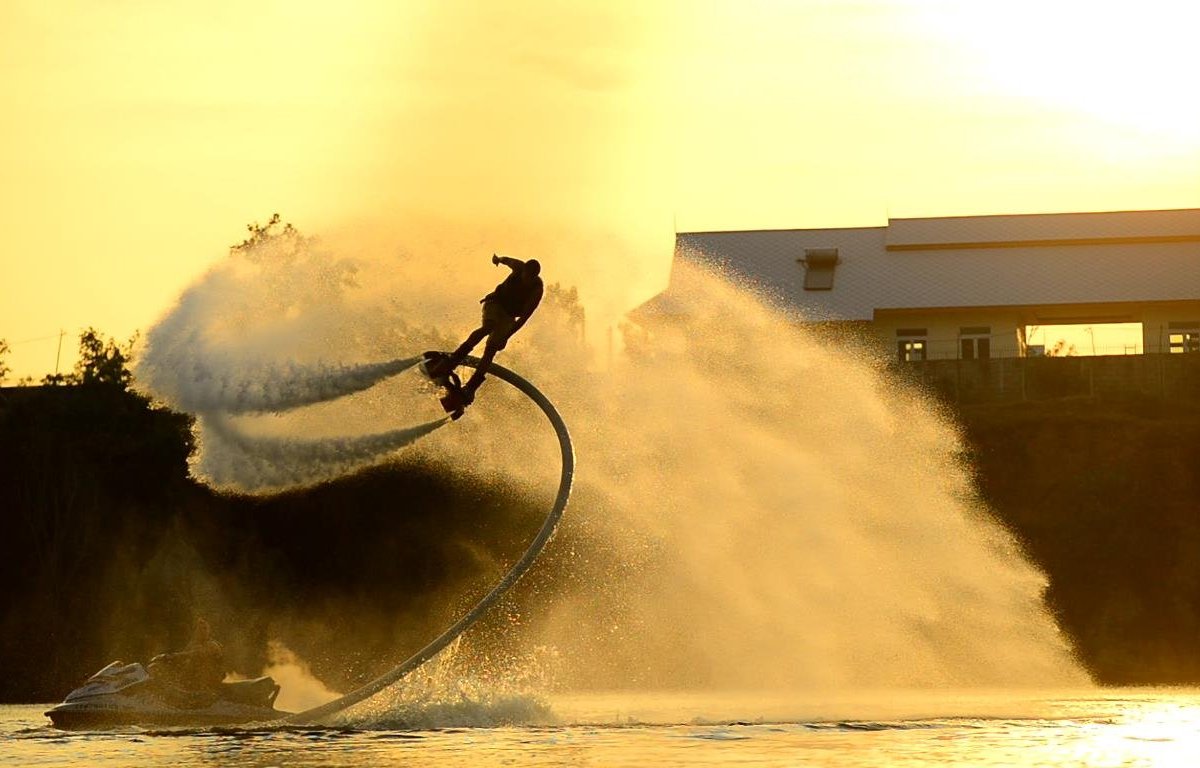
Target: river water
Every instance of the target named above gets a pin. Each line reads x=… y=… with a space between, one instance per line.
x=1103 y=727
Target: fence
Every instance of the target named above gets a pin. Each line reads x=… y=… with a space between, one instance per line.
x=1017 y=379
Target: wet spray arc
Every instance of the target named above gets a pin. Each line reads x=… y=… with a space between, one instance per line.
x=544 y=534
x=701 y=488
x=263 y=464
x=325 y=384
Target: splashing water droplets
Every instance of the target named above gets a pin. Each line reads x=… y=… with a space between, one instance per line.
x=755 y=508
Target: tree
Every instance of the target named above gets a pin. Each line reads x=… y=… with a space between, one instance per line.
x=1061 y=348
x=101 y=362
x=4 y=369
x=282 y=248
x=104 y=363
x=273 y=233
x=566 y=301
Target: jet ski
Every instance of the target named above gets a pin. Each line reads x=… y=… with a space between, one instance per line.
x=127 y=695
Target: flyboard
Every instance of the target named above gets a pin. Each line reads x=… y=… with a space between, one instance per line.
x=544 y=534
x=455 y=399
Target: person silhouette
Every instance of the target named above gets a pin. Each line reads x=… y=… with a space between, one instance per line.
x=505 y=311
x=199 y=667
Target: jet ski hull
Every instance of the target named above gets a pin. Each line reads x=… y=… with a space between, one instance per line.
x=118 y=711
x=123 y=695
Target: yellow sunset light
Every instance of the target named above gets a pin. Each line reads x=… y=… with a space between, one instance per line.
x=1132 y=65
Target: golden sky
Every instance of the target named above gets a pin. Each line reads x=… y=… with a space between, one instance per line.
x=138 y=137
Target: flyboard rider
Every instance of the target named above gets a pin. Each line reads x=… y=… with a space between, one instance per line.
x=505 y=311
x=199 y=668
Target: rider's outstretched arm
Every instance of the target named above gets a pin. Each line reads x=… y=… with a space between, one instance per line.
x=508 y=261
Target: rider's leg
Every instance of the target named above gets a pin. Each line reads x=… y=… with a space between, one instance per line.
x=489 y=352
x=463 y=350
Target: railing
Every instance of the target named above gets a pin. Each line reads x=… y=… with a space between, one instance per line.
x=1007 y=346
x=1016 y=379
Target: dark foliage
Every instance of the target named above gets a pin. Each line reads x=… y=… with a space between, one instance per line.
x=1104 y=495
x=111 y=550
x=101 y=363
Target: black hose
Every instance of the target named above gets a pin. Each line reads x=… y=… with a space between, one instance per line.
x=514 y=574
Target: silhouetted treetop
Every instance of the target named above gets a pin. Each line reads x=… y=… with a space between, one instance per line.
x=103 y=362
x=274 y=232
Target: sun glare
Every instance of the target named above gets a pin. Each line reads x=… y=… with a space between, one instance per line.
x=1085 y=339
x=1131 y=65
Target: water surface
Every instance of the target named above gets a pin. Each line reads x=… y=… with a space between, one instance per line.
x=1095 y=728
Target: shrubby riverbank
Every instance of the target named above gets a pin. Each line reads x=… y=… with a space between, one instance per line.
x=1105 y=495
x=110 y=549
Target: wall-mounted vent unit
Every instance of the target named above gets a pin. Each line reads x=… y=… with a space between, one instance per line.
x=819 y=265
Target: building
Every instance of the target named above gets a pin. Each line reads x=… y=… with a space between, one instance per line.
x=971 y=287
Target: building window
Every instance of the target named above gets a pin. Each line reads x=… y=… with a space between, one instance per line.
x=975 y=342
x=819 y=264
x=912 y=344
x=1183 y=337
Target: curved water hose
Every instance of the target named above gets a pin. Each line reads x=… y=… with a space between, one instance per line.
x=516 y=572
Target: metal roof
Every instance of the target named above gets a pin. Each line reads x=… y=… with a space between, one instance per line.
x=975 y=261
x=1043 y=228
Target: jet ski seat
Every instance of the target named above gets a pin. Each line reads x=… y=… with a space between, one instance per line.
x=259 y=692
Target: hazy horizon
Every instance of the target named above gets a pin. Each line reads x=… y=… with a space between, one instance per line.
x=140 y=139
